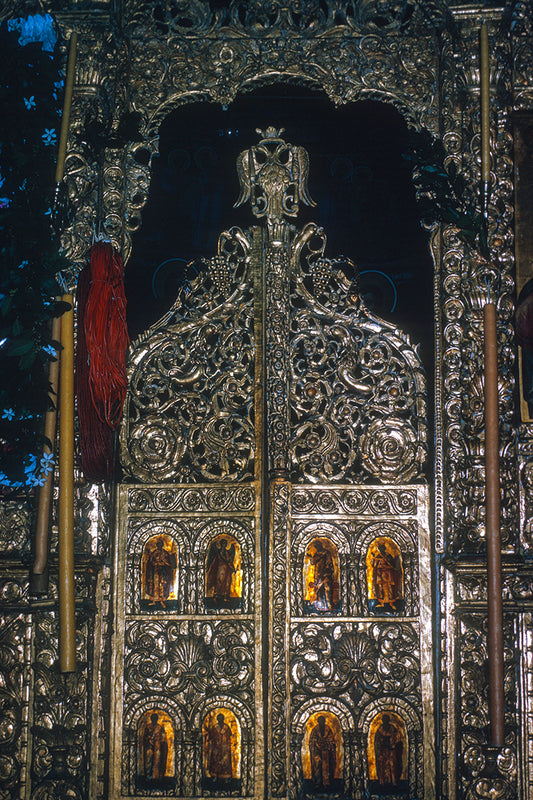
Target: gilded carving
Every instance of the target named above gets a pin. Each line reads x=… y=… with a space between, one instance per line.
x=196 y=500
x=191 y=386
x=488 y=772
x=178 y=431
x=467 y=283
x=14 y=676
x=60 y=712
x=277 y=345
x=202 y=565
x=357 y=399
x=14 y=526
x=187 y=664
x=280 y=502
x=525 y=469
x=358 y=501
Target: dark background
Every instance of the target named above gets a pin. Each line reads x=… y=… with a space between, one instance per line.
x=358 y=178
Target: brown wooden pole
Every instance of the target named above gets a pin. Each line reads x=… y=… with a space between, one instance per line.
x=492 y=500
x=39 y=576
x=67 y=619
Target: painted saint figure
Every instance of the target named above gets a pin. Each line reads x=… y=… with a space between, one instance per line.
x=324 y=576
x=323 y=754
x=388 y=750
x=386 y=577
x=218 y=758
x=220 y=567
x=160 y=571
x=154 y=749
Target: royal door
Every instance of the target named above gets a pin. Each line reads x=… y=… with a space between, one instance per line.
x=273 y=618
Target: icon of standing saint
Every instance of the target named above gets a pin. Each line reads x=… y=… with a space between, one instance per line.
x=321 y=577
x=159 y=573
x=223 y=574
x=221 y=750
x=155 y=766
x=387 y=753
x=385 y=577
x=322 y=755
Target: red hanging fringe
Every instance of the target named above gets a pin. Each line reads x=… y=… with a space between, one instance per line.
x=107 y=334
x=101 y=381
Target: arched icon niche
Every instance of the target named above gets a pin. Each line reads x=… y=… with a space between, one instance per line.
x=221 y=736
x=387 y=754
x=159 y=573
x=223 y=573
x=322 y=754
x=384 y=570
x=155 y=750
x=321 y=577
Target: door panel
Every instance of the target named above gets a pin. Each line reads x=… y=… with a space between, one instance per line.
x=273 y=600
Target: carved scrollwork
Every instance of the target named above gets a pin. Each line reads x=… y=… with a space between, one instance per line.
x=516 y=586
x=488 y=772
x=188 y=417
x=363 y=500
x=281 y=498
x=178 y=51
x=191 y=660
x=60 y=744
x=357 y=387
x=13 y=677
x=191 y=499
x=14 y=526
x=365 y=661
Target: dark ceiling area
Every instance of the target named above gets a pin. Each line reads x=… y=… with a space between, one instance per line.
x=358 y=179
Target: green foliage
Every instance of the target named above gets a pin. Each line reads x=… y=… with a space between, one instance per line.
x=443 y=193
x=29 y=259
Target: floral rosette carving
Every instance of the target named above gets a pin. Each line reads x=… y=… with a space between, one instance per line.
x=357 y=396
x=366 y=661
x=189 y=408
x=389 y=450
x=188 y=661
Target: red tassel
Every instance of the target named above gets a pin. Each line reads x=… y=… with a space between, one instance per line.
x=106 y=333
x=101 y=381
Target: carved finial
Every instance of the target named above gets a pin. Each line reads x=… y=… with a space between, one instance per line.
x=270 y=133
x=273 y=176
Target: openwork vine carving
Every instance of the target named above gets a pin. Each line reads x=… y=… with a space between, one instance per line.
x=189 y=413
x=357 y=388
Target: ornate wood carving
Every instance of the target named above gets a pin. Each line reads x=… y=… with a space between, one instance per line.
x=421 y=57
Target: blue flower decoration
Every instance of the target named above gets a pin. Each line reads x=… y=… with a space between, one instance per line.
x=35 y=28
x=49 y=136
x=8 y=413
x=33 y=480
x=29 y=102
x=47 y=462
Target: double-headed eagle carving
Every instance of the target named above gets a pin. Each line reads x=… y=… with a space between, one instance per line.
x=273 y=176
